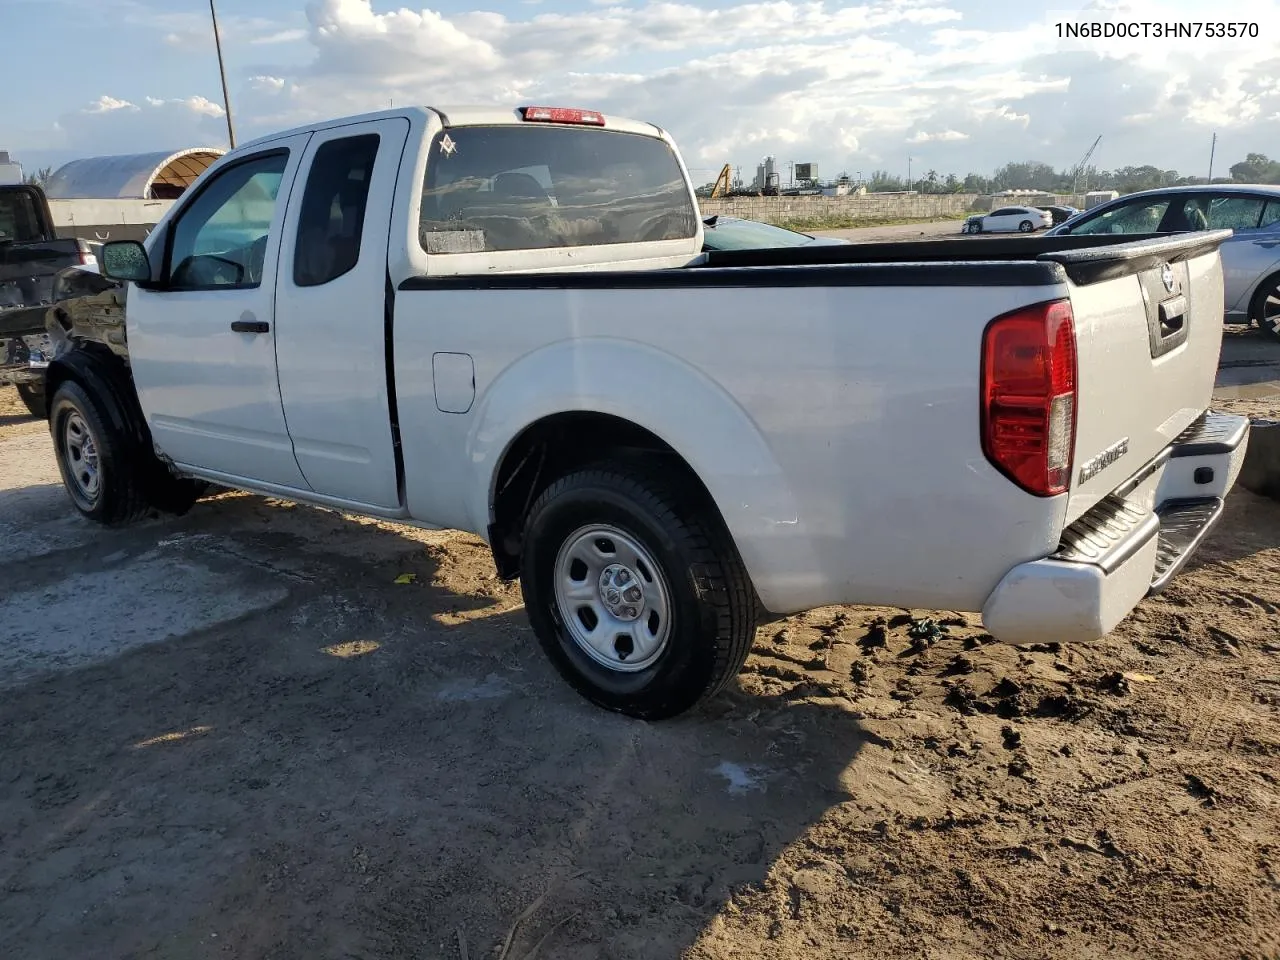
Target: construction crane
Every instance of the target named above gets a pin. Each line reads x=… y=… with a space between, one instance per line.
x=1075 y=174
x=722 y=184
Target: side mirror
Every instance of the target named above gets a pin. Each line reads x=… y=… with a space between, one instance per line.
x=125 y=260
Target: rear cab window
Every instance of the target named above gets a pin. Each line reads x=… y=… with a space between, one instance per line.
x=523 y=187
x=20 y=218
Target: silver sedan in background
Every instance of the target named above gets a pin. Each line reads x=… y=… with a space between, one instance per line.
x=1250 y=258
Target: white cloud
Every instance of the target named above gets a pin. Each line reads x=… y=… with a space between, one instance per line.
x=942 y=136
x=279 y=36
x=106 y=104
x=110 y=125
x=267 y=84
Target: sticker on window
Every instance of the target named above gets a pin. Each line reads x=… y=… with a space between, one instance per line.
x=454 y=241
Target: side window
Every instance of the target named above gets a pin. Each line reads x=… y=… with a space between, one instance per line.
x=1002 y=212
x=331 y=220
x=1141 y=216
x=1270 y=215
x=530 y=187
x=221 y=239
x=1237 y=213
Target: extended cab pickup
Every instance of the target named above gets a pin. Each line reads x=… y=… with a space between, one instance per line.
x=503 y=321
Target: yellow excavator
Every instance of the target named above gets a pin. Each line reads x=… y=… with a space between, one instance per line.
x=722 y=184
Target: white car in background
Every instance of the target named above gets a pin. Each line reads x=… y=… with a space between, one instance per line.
x=1009 y=220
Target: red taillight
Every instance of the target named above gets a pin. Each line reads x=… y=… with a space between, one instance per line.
x=1029 y=396
x=562 y=115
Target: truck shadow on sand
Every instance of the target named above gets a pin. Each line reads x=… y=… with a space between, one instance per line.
x=376 y=769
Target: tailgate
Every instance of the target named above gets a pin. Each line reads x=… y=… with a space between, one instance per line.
x=1148 y=320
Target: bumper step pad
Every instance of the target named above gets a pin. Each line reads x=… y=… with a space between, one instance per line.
x=1183 y=526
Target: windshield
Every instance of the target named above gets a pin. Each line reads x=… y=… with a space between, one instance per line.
x=19 y=218
x=750 y=235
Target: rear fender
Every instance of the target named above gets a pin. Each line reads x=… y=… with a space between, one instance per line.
x=666 y=396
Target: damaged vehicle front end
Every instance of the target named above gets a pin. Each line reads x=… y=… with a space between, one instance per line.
x=82 y=306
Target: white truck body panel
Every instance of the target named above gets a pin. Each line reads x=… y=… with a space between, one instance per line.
x=834 y=422
x=791 y=407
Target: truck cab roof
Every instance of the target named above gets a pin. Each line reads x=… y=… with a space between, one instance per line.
x=461 y=115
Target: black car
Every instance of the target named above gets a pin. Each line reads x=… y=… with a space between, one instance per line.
x=1060 y=214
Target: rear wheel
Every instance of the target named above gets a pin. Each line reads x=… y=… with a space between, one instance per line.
x=1265 y=311
x=1026 y=226
x=635 y=591
x=33 y=397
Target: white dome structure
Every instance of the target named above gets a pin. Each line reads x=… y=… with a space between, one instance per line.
x=138 y=176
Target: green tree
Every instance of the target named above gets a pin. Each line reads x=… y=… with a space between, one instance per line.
x=881 y=181
x=1026 y=175
x=1256 y=168
x=40 y=178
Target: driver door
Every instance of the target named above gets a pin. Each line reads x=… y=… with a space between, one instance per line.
x=202 y=342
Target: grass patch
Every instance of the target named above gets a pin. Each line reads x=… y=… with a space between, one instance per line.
x=809 y=224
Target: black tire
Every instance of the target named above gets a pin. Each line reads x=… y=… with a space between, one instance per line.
x=116 y=497
x=33 y=397
x=1026 y=226
x=1268 y=324
x=712 y=604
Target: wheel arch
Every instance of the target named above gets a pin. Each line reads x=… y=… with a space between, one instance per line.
x=107 y=379
x=589 y=398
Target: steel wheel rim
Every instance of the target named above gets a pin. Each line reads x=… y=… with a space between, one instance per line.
x=613 y=598
x=80 y=452
x=1270 y=317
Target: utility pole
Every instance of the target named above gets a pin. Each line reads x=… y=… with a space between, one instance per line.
x=1212 y=149
x=908 y=172
x=222 y=72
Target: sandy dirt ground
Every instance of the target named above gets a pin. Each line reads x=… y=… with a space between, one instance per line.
x=233 y=734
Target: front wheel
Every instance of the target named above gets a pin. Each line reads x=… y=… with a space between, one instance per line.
x=32 y=396
x=93 y=460
x=635 y=591
x=1026 y=226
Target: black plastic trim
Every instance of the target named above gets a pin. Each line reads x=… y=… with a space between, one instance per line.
x=393 y=404
x=979 y=274
x=1184 y=525
x=1004 y=262
x=1151 y=466
x=1108 y=535
x=1212 y=434
x=1094 y=264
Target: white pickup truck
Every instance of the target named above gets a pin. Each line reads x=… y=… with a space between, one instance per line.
x=503 y=321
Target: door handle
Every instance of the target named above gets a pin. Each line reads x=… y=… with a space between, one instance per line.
x=250 y=326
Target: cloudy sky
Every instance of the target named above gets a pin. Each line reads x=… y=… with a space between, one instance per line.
x=958 y=85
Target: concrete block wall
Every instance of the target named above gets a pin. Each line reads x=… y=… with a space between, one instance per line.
x=871 y=206
x=781 y=209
